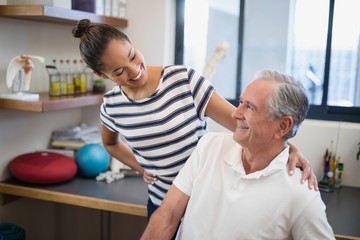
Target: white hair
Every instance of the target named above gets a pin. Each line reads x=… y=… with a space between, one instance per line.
x=289 y=99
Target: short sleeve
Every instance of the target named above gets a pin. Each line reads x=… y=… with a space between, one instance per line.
x=105 y=119
x=193 y=166
x=313 y=221
x=201 y=90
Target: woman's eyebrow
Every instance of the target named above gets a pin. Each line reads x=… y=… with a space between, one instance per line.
x=130 y=52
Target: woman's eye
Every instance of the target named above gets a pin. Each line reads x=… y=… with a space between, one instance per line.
x=133 y=57
x=118 y=73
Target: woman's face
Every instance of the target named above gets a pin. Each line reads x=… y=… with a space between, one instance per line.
x=124 y=64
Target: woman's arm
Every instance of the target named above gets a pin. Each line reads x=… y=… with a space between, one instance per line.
x=220 y=110
x=296 y=159
x=123 y=153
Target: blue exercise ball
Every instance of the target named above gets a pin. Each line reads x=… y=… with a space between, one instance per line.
x=92 y=159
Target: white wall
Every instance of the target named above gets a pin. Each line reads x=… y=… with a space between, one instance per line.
x=23 y=132
x=152 y=29
x=315 y=136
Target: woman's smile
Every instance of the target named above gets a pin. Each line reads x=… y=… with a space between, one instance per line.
x=139 y=76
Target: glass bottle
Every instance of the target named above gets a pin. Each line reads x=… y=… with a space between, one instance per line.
x=83 y=81
x=63 y=78
x=89 y=79
x=54 y=80
x=69 y=78
x=76 y=76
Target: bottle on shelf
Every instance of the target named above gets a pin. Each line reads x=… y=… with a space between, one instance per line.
x=69 y=78
x=76 y=76
x=63 y=78
x=83 y=80
x=89 y=77
x=54 y=79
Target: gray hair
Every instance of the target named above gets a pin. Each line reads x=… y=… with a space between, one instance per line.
x=289 y=99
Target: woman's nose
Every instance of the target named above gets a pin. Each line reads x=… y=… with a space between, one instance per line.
x=133 y=70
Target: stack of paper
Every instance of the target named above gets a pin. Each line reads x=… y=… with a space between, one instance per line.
x=75 y=137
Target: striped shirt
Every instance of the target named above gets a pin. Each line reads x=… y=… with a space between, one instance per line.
x=163 y=129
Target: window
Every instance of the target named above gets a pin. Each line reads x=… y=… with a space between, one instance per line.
x=324 y=49
x=344 y=77
x=210 y=47
x=317 y=41
x=308 y=36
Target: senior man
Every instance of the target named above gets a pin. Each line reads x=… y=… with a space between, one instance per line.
x=238 y=187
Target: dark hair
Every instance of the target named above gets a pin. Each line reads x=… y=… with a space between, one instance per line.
x=94 y=39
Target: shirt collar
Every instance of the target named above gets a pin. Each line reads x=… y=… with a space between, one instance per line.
x=233 y=159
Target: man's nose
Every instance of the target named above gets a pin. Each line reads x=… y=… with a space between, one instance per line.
x=238 y=112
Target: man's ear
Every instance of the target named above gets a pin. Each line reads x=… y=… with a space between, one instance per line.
x=99 y=74
x=285 y=125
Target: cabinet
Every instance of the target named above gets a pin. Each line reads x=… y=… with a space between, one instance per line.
x=62 y=16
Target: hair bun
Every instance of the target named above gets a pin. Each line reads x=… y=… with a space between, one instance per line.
x=81 y=28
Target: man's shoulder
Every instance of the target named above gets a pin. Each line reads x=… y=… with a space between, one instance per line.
x=301 y=190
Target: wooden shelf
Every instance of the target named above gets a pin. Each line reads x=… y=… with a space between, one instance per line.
x=47 y=103
x=45 y=13
x=128 y=195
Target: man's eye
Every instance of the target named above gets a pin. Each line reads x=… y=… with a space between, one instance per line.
x=250 y=107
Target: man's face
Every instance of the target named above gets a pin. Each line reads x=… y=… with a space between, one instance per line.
x=254 y=128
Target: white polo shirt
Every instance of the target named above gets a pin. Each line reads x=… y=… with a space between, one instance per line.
x=225 y=203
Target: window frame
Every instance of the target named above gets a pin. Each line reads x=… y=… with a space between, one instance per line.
x=316 y=112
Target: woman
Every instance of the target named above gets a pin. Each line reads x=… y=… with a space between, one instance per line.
x=159 y=112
